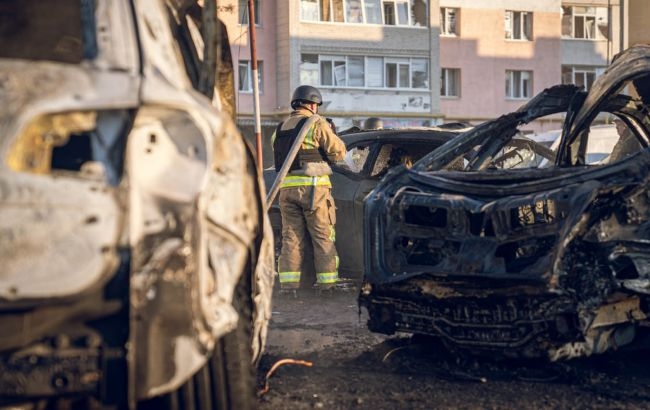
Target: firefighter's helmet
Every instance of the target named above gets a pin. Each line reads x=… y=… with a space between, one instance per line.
x=373 y=123
x=306 y=93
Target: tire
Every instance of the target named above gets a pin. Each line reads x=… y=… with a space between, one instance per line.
x=228 y=379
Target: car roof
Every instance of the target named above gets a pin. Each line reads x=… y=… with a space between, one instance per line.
x=395 y=134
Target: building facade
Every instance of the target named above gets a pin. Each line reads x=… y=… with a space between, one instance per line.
x=423 y=62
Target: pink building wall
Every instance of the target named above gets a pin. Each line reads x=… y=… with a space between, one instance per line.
x=484 y=56
x=265 y=48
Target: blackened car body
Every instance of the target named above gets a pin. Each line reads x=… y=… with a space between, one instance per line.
x=550 y=259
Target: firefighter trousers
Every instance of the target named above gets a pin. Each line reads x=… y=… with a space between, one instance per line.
x=308 y=214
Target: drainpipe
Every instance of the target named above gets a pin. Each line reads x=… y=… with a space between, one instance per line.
x=622 y=11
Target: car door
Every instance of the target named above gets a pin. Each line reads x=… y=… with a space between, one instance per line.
x=348 y=183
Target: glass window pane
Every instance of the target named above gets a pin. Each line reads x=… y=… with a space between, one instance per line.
x=590 y=27
x=579 y=28
x=404 y=77
x=528 y=26
x=455 y=83
x=373 y=11
x=243 y=12
x=391 y=75
x=516 y=25
x=567 y=75
x=508 y=24
x=420 y=73
x=402 y=13
x=326 y=73
x=516 y=82
x=337 y=8
x=419 y=15
x=355 y=73
x=243 y=76
x=567 y=17
x=353 y=11
x=339 y=73
x=591 y=76
x=375 y=71
x=309 y=10
x=389 y=13
x=451 y=21
x=309 y=69
x=325 y=10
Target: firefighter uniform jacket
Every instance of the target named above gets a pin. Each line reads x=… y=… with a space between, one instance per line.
x=306 y=203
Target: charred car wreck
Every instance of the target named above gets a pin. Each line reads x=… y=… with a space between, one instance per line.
x=496 y=255
x=136 y=259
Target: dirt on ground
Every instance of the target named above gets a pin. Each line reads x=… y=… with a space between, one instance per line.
x=352 y=368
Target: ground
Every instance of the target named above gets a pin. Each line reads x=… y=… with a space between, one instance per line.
x=353 y=368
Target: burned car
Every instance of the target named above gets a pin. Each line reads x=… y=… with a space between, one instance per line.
x=371 y=154
x=137 y=259
x=549 y=260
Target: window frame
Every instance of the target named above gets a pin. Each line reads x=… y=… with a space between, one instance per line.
x=513 y=84
x=523 y=31
x=445 y=79
x=249 y=76
x=445 y=15
x=573 y=16
x=243 y=13
x=583 y=70
x=407 y=70
x=403 y=13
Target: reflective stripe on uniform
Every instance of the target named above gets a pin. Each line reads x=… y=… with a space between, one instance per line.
x=289 y=277
x=309 y=138
x=303 y=180
x=327 y=277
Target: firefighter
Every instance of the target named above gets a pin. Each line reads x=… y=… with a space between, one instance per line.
x=305 y=198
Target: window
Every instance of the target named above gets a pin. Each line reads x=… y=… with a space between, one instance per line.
x=373 y=11
x=585 y=22
x=450 y=82
x=353 y=12
x=246 y=76
x=333 y=71
x=243 y=12
x=364 y=72
x=518 y=84
x=519 y=25
x=448 y=19
x=309 y=69
x=397 y=73
x=582 y=76
x=419 y=73
x=396 y=12
x=389 y=12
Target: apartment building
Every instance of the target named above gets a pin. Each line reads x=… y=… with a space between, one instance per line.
x=422 y=62
x=530 y=46
x=234 y=14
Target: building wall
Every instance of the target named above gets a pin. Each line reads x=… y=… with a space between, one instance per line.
x=266 y=53
x=481 y=52
x=483 y=55
x=368 y=40
x=594 y=52
x=639 y=22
